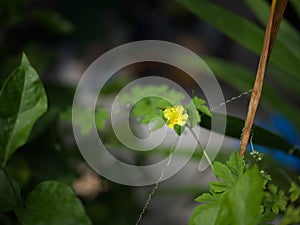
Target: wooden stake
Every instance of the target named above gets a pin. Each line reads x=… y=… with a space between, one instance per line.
x=275 y=17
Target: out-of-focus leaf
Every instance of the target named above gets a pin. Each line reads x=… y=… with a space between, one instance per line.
x=276 y=199
x=242 y=31
x=10 y=197
x=52 y=203
x=19 y=169
x=291 y=216
x=194 y=117
x=200 y=105
x=116 y=84
x=296 y=6
x=261 y=136
x=149 y=101
x=294 y=191
x=289 y=83
x=157 y=124
x=146 y=91
x=237 y=76
x=267 y=217
x=22 y=101
x=242 y=79
x=148 y=109
x=287 y=34
x=53 y=22
x=85 y=120
x=11 y=13
x=101 y=116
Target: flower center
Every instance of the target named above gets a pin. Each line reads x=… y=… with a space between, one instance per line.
x=175 y=116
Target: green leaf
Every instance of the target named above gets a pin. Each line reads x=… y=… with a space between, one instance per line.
x=223 y=172
x=178 y=129
x=53 y=22
x=53 y=203
x=273 y=188
x=207 y=197
x=212 y=214
x=296 y=6
x=267 y=217
x=291 y=216
x=289 y=83
x=149 y=100
x=194 y=117
x=148 y=109
x=240 y=204
x=239 y=77
x=236 y=164
x=228 y=173
x=204 y=110
x=10 y=195
x=139 y=92
x=242 y=79
x=295 y=191
x=219 y=187
x=245 y=198
x=101 y=117
x=275 y=199
x=157 y=124
x=248 y=34
x=261 y=136
x=199 y=103
x=84 y=119
x=22 y=101
x=19 y=168
x=287 y=34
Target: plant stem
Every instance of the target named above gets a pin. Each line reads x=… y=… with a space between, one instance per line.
x=201 y=148
x=272 y=27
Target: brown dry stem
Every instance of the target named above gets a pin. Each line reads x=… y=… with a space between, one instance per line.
x=275 y=17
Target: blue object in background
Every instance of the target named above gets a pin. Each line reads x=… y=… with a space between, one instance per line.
x=283 y=127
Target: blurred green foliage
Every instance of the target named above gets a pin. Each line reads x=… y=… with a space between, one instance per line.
x=42 y=29
x=283 y=68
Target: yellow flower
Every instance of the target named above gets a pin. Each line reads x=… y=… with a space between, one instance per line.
x=175 y=115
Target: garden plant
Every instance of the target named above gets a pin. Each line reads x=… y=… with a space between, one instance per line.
x=36 y=182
